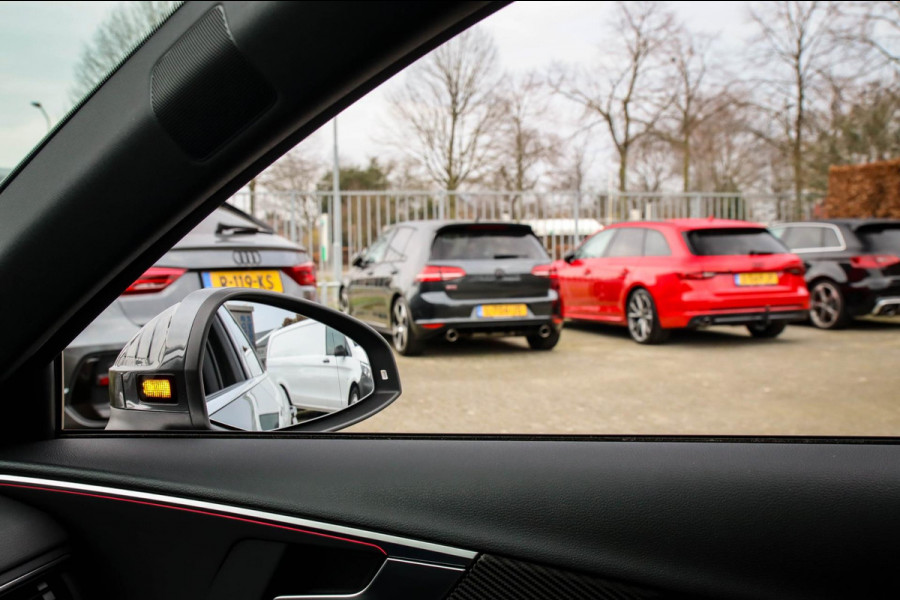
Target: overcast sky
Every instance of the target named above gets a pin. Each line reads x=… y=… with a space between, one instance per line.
x=40 y=43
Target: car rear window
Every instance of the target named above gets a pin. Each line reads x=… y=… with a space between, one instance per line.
x=883 y=238
x=732 y=241
x=486 y=244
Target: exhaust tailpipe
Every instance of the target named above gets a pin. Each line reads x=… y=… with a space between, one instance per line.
x=544 y=331
x=452 y=335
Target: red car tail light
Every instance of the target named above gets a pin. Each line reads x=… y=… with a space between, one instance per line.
x=154 y=279
x=796 y=270
x=438 y=273
x=303 y=274
x=874 y=261
x=698 y=275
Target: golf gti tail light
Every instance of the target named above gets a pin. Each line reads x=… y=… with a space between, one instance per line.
x=544 y=271
x=303 y=274
x=154 y=279
x=874 y=261
x=436 y=273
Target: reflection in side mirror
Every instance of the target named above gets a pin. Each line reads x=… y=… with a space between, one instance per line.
x=252 y=361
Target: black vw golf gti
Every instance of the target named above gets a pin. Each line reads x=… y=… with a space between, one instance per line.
x=426 y=279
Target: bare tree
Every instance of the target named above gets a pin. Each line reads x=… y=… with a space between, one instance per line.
x=522 y=147
x=629 y=100
x=448 y=109
x=798 y=36
x=117 y=35
x=290 y=179
x=695 y=100
x=875 y=26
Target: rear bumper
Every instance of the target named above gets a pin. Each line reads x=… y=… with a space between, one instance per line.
x=434 y=313
x=886 y=307
x=876 y=296
x=747 y=318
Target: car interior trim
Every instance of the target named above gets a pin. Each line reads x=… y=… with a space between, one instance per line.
x=55 y=558
x=338 y=532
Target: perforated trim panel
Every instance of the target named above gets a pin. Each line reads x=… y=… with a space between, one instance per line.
x=495 y=578
x=204 y=91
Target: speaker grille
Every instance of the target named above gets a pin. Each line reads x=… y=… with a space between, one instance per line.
x=495 y=578
x=203 y=91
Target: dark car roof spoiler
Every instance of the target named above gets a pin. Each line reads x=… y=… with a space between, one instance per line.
x=513 y=228
x=236 y=211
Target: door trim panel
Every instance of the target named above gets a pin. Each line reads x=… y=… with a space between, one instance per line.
x=389 y=545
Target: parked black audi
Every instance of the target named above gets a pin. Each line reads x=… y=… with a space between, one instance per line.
x=852 y=267
x=426 y=279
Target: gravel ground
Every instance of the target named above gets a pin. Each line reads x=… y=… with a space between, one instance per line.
x=718 y=381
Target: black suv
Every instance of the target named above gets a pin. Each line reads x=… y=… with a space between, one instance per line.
x=425 y=279
x=852 y=267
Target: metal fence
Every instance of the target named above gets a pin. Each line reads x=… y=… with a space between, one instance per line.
x=560 y=219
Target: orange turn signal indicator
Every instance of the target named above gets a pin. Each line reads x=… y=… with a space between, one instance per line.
x=156 y=388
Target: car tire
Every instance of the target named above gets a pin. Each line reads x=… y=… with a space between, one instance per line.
x=353 y=396
x=536 y=342
x=827 y=305
x=642 y=319
x=403 y=337
x=766 y=330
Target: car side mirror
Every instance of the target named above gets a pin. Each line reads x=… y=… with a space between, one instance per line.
x=231 y=359
x=358 y=260
x=569 y=258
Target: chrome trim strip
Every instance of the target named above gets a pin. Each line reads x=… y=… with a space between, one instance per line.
x=881 y=304
x=361 y=534
x=371 y=583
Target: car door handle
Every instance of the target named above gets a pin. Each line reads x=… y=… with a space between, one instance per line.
x=587 y=271
x=394 y=272
x=623 y=273
x=326 y=360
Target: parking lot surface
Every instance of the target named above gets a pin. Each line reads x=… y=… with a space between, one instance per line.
x=718 y=381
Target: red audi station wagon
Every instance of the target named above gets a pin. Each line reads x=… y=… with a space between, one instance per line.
x=684 y=273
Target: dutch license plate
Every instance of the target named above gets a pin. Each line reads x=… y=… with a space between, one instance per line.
x=756 y=279
x=259 y=280
x=494 y=311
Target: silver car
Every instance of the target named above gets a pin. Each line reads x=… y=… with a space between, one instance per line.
x=228 y=249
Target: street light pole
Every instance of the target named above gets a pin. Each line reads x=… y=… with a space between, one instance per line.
x=40 y=107
x=337 y=236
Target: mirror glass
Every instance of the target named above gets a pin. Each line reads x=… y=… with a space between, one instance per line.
x=267 y=368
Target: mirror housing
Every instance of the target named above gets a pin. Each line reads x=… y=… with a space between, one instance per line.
x=169 y=351
x=358 y=260
x=340 y=350
x=569 y=257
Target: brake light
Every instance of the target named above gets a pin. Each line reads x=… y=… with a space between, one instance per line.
x=439 y=273
x=796 y=270
x=545 y=271
x=874 y=261
x=154 y=279
x=698 y=275
x=303 y=274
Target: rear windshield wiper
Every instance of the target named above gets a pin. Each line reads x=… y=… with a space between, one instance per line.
x=760 y=253
x=230 y=229
x=496 y=256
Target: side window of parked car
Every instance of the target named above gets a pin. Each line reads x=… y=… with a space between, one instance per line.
x=655 y=244
x=333 y=339
x=596 y=246
x=375 y=253
x=396 y=249
x=629 y=242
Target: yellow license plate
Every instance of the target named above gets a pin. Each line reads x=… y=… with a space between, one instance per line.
x=259 y=280
x=493 y=311
x=756 y=279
